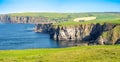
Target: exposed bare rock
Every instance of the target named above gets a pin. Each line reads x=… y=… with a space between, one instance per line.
x=42 y=27
x=21 y=19
x=110 y=37
x=106 y=33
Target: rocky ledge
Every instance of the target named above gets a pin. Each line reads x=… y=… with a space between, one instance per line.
x=106 y=33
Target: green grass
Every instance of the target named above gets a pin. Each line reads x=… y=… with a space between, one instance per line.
x=71 y=16
x=39 y=14
x=72 y=23
x=105 y=53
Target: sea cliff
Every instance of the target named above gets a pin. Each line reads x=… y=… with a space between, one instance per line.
x=97 y=33
x=22 y=19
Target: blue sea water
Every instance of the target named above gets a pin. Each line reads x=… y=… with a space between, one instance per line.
x=22 y=36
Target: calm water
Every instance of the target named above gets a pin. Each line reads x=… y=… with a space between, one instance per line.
x=22 y=36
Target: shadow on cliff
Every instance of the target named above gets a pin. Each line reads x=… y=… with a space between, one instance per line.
x=97 y=30
x=118 y=41
x=95 y=33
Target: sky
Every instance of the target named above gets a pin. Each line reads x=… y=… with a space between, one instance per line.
x=19 y=6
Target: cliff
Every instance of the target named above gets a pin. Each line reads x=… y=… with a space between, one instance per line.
x=106 y=33
x=110 y=37
x=43 y=27
x=22 y=19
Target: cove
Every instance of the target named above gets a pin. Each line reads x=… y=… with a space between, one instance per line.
x=22 y=36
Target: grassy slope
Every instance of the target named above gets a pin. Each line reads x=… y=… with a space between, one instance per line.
x=71 y=16
x=83 y=54
x=101 y=17
x=72 y=23
x=74 y=15
x=49 y=15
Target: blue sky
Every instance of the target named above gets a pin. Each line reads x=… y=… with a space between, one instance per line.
x=13 y=6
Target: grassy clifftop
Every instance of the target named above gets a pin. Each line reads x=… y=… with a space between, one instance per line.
x=67 y=18
x=71 y=54
x=101 y=16
x=72 y=23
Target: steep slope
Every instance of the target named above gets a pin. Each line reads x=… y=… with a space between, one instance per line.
x=106 y=33
x=110 y=37
x=21 y=19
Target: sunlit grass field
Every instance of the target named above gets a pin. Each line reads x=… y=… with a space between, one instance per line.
x=104 y=53
x=72 y=23
x=100 y=16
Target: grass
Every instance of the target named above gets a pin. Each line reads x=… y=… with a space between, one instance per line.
x=101 y=16
x=51 y=15
x=72 y=23
x=104 y=53
x=66 y=19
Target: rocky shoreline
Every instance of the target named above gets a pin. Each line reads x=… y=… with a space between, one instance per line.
x=106 y=33
x=22 y=19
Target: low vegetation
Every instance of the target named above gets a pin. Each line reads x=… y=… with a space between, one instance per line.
x=73 y=23
x=104 y=53
x=61 y=17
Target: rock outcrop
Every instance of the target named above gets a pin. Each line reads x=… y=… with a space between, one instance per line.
x=43 y=27
x=22 y=19
x=106 y=33
x=110 y=37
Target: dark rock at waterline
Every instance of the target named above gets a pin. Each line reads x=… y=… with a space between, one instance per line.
x=106 y=33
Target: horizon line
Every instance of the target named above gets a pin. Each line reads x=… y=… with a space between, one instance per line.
x=65 y=12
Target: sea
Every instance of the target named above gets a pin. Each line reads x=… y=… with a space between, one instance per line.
x=22 y=36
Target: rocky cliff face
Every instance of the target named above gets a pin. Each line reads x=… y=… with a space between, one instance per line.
x=21 y=19
x=111 y=36
x=93 y=33
x=43 y=27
